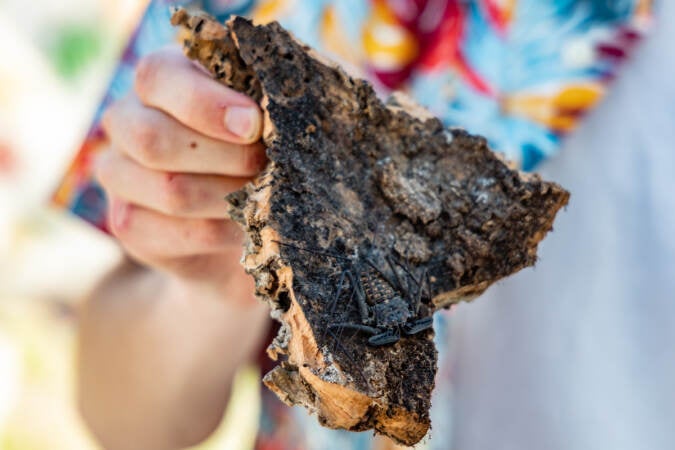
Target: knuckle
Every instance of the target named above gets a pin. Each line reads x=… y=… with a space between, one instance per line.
x=103 y=170
x=146 y=73
x=195 y=103
x=108 y=119
x=201 y=106
x=176 y=194
x=211 y=233
x=148 y=141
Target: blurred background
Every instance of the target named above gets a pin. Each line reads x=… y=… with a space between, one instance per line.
x=57 y=59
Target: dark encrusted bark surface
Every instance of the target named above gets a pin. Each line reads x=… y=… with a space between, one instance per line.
x=352 y=182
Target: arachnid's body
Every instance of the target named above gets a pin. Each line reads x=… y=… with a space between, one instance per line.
x=387 y=307
x=391 y=313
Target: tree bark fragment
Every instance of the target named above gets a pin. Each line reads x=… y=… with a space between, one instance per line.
x=381 y=191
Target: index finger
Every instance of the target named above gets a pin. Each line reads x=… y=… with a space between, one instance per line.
x=168 y=81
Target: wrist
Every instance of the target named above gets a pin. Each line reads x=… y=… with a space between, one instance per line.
x=236 y=290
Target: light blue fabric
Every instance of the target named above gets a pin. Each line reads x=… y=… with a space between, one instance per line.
x=579 y=352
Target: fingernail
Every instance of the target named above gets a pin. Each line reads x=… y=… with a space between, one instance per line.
x=243 y=121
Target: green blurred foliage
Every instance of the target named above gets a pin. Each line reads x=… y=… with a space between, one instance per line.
x=74 y=47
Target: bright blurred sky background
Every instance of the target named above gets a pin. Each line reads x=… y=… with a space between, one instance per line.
x=57 y=59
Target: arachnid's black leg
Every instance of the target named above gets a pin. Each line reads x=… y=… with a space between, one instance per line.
x=408 y=272
x=390 y=336
x=354 y=292
x=355 y=326
x=418 y=297
x=360 y=296
x=400 y=286
x=334 y=302
x=417 y=326
x=349 y=357
x=416 y=301
x=338 y=291
x=338 y=338
x=313 y=252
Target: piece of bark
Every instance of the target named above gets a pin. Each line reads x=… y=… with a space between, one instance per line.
x=351 y=182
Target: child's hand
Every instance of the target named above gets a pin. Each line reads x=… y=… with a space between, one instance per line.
x=179 y=144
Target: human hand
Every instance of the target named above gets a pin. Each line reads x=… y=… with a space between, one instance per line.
x=180 y=142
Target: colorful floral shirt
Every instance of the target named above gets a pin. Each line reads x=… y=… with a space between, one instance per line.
x=522 y=73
